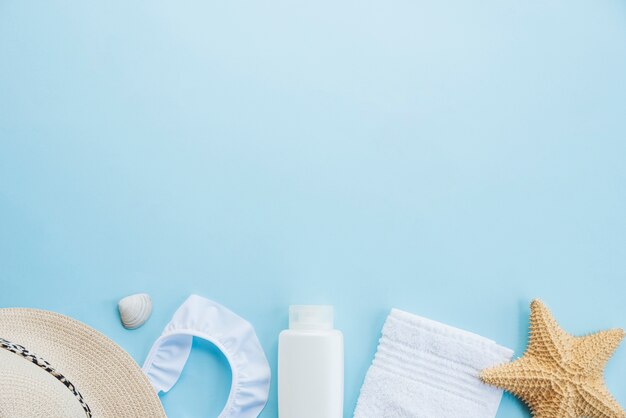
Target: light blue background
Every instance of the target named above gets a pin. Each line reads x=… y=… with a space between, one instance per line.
x=451 y=158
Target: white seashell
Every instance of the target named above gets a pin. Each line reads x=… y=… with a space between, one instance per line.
x=135 y=310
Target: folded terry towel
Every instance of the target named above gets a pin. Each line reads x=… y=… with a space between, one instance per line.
x=426 y=369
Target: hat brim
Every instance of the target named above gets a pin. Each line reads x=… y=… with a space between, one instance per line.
x=110 y=381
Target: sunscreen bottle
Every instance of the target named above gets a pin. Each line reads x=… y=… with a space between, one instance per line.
x=310 y=365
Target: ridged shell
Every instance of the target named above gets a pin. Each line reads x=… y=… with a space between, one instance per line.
x=135 y=310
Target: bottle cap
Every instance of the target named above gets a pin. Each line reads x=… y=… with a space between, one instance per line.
x=312 y=317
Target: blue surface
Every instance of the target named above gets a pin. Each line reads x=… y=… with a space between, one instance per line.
x=454 y=159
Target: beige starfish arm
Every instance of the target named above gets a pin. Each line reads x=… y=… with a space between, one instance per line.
x=536 y=386
x=547 y=339
x=521 y=377
x=595 y=400
x=591 y=353
x=550 y=406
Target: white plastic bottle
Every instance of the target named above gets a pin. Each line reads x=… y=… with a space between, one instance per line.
x=310 y=365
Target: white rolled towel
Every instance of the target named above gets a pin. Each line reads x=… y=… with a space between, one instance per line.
x=426 y=369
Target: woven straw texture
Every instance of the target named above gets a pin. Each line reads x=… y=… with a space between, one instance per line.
x=560 y=376
x=110 y=381
x=47 y=397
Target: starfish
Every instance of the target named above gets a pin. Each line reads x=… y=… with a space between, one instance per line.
x=559 y=375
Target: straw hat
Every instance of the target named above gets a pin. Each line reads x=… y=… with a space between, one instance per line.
x=54 y=366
